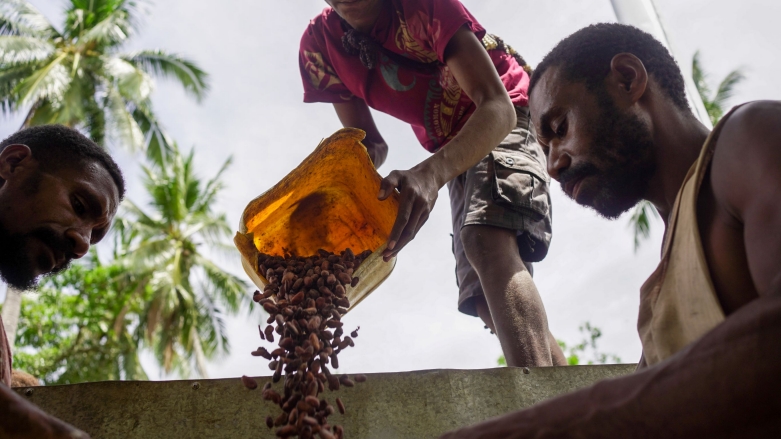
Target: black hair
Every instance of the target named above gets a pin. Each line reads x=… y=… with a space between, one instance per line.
x=57 y=146
x=586 y=54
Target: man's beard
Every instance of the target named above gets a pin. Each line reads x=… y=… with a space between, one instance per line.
x=18 y=267
x=621 y=161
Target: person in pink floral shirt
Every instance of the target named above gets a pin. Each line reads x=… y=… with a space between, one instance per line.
x=463 y=91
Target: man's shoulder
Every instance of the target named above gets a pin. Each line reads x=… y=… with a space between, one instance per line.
x=747 y=153
x=751 y=125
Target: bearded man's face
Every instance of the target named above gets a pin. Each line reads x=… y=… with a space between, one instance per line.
x=49 y=217
x=608 y=153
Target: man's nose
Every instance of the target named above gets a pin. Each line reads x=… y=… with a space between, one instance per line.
x=558 y=161
x=80 y=240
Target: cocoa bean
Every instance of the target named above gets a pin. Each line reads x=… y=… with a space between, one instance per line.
x=269 y=333
x=345 y=278
x=315 y=342
x=354 y=281
x=335 y=361
x=346 y=381
x=297 y=299
x=248 y=382
x=286 y=431
x=313 y=401
x=359 y=378
x=270 y=308
x=261 y=352
x=270 y=422
x=340 y=404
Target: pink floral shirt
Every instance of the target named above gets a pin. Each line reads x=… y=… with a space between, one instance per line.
x=429 y=99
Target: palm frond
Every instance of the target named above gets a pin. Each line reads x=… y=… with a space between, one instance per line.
x=10 y=78
x=47 y=83
x=158 y=144
x=132 y=83
x=125 y=129
x=727 y=87
x=19 y=17
x=168 y=65
x=640 y=221
x=700 y=78
x=15 y=49
x=113 y=30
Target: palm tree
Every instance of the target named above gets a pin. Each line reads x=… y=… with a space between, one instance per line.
x=78 y=76
x=182 y=317
x=715 y=104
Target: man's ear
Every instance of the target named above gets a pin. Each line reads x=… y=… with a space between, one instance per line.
x=11 y=158
x=627 y=79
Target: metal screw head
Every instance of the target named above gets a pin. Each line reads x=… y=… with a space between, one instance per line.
x=28 y=392
x=510 y=161
x=196 y=386
x=526 y=370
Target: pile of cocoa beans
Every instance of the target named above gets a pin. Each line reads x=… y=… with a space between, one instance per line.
x=306 y=299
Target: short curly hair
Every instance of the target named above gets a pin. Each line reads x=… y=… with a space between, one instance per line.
x=585 y=57
x=57 y=146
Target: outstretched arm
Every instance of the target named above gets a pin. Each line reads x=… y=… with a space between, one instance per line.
x=493 y=119
x=724 y=385
x=356 y=114
x=19 y=419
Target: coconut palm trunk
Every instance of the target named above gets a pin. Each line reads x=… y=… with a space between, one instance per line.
x=200 y=357
x=11 y=308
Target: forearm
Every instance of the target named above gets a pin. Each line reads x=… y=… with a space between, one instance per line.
x=726 y=384
x=377 y=149
x=21 y=419
x=486 y=128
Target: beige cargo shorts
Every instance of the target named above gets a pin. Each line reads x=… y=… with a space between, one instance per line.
x=509 y=188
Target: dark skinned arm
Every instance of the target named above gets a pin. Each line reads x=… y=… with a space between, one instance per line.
x=492 y=120
x=19 y=419
x=726 y=384
x=356 y=114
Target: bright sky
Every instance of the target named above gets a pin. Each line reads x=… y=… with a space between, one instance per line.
x=255 y=113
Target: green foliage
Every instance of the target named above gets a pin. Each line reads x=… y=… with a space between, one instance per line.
x=715 y=104
x=79 y=327
x=586 y=350
x=640 y=221
x=160 y=291
x=182 y=315
x=80 y=78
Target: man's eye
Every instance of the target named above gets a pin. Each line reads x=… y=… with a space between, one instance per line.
x=78 y=207
x=561 y=131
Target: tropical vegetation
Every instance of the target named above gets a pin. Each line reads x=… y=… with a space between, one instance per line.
x=78 y=75
x=160 y=289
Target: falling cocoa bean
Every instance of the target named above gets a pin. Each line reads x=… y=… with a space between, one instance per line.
x=340 y=404
x=248 y=382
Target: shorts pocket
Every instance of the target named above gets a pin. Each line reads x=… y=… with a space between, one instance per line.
x=520 y=183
